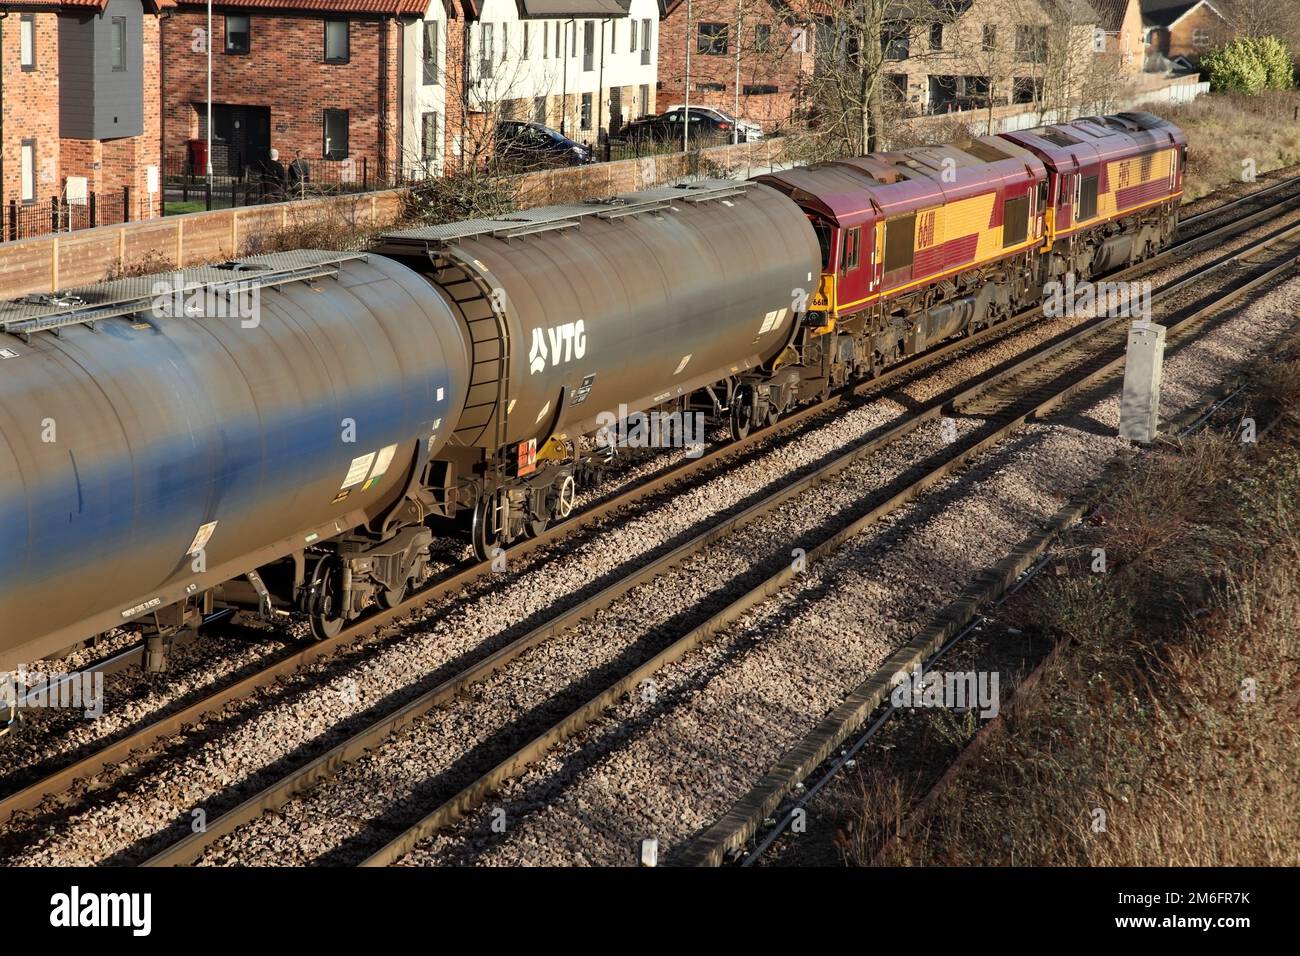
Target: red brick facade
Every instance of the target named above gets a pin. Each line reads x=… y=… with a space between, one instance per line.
x=31 y=114
x=773 y=68
x=285 y=73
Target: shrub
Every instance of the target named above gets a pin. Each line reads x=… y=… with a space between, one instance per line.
x=1250 y=65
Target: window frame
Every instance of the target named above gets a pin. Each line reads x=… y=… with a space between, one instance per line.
x=226 y=47
x=430 y=74
x=588 y=46
x=708 y=45
x=762 y=37
x=646 y=41
x=114 y=49
x=325 y=133
x=851 y=250
x=23 y=147
x=27 y=33
x=585 y=111
x=486 y=51
x=426 y=156
x=347 y=43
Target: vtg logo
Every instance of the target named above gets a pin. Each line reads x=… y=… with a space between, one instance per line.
x=567 y=342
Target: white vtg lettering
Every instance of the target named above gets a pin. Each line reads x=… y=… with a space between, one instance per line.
x=103 y=909
x=559 y=343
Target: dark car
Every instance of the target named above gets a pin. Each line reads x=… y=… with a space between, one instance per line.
x=706 y=127
x=534 y=146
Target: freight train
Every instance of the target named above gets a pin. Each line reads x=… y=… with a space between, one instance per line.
x=286 y=435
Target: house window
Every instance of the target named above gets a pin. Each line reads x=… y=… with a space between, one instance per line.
x=584 y=118
x=539 y=109
x=936 y=36
x=645 y=99
x=762 y=37
x=430 y=53
x=429 y=138
x=27 y=42
x=505 y=41
x=486 y=51
x=558 y=34
x=27 y=171
x=336 y=41
x=711 y=39
x=238 y=35
x=119 y=43
x=335 y=126
x=1031 y=43
x=646 y=40
x=588 y=46
x=893 y=41
x=632 y=24
x=990 y=38
x=527 y=45
x=546 y=40
x=1200 y=37
x=710 y=87
x=573 y=51
x=759 y=89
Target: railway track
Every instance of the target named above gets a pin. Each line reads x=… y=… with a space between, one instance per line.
x=461 y=577
x=1005 y=400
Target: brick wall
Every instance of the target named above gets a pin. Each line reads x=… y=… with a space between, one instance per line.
x=31 y=105
x=285 y=71
x=713 y=77
x=31 y=111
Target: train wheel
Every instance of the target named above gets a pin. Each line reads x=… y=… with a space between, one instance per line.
x=568 y=494
x=484 y=539
x=324 y=622
x=389 y=598
x=742 y=413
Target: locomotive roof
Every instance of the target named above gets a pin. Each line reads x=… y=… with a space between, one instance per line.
x=1067 y=145
x=844 y=191
x=549 y=218
x=119 y=297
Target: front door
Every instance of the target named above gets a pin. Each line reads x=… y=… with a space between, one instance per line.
x=241 y=137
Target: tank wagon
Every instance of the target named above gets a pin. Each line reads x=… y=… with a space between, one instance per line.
x=164 y=460
x=668 y=300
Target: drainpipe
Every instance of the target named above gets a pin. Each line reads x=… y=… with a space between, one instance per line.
x=564 y=77
x=686 y=86
x=162 y=111
x=4 y=15
x=600 y=91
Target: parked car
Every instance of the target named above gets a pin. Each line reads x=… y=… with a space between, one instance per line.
x=667 y=128
x=520 y=145
x=750 y=132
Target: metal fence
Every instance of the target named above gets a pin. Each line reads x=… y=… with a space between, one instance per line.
x=41 y=217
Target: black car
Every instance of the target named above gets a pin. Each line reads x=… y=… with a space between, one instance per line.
x=667 y=127
x=534 y=146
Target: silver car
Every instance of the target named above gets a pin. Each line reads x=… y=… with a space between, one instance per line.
x=750 y=132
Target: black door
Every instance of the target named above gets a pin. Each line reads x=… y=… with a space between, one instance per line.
x=615 y=110
x=241 y=137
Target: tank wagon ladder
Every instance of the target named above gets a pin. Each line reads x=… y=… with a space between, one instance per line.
x=488 y=402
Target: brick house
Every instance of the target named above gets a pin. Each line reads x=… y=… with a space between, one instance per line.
x=1183 y=28
x=752 y=57
x=318 y=80
x=968 y=53
x=1120 y=33
x=80 y=100
x=365 y=89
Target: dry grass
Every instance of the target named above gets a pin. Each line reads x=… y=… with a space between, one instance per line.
x=1172 y=707
x=1224 y=130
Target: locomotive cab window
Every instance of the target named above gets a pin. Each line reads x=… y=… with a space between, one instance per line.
x=1087 y=199
x=852 y=249
x=1015 y=221
x=900 y=242
x=824 y=241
